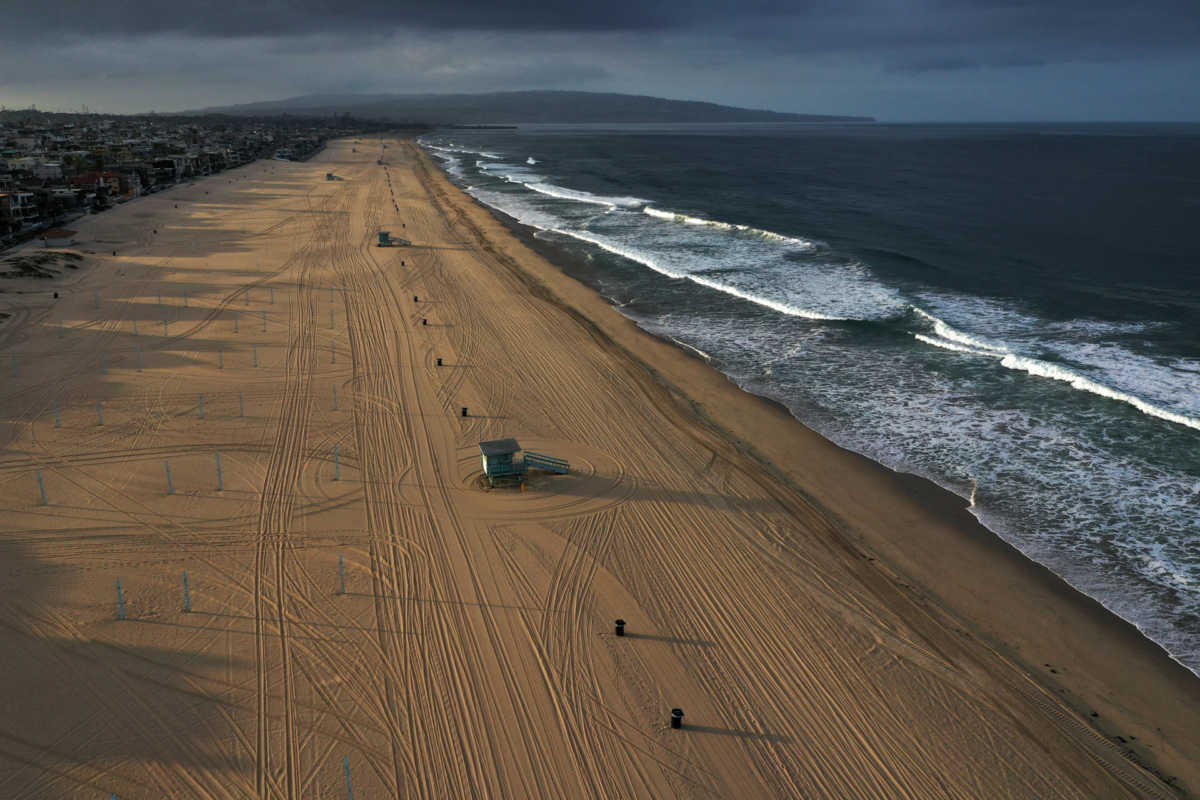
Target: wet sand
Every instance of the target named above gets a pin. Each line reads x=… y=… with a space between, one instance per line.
x=830 y=629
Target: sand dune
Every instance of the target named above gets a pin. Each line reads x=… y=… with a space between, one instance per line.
x=472 y=653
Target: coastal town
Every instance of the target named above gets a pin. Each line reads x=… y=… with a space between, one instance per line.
x=56 y=168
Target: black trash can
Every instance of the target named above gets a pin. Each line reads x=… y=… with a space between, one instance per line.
x=620 y=627
x=676 y=717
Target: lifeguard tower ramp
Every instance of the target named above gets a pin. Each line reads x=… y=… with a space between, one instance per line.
x=548 y=463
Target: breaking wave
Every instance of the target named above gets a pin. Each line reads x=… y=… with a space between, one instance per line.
x=725 y=226
x=579 y=196
x=1044 y=369
x=641 y=258
x=950 y=338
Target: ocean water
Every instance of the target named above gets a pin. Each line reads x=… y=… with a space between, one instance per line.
x=1010 y=311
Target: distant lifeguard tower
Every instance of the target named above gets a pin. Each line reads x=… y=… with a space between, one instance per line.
x=386 y=240
x=504 y=462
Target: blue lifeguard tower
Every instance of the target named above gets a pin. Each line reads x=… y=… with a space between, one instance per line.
x=505 y=462
x=387 y=240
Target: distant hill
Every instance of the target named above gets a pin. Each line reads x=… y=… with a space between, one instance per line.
x=499 y=108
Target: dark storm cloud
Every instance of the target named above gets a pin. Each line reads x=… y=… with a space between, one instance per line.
x=896 y=59
x=806 y=24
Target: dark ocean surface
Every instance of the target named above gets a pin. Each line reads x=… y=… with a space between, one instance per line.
x=1010 y=311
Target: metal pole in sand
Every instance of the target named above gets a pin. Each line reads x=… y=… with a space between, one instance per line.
x=241 y=406
x=349 y=790
x=170 y=484
x=187 y=596
x=139 y=359
x=272 y=290
x=220 y=480
x=41 y=488
x=100 y=412
x=164 y=326
x=332 y=353
x=337 y=465
x=120 y=601
x=57 y=421
x=264 y=319
x=342 y=573
x=331 y=294
x=255 y=354
x=335 y=408
x=201 y=405
x=135 y=333
x=331 y=318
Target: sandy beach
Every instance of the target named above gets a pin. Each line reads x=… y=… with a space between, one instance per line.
x=237 y=384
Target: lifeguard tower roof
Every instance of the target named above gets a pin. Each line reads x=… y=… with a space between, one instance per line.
x=499 y=447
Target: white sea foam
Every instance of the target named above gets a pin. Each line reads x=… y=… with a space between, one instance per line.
x=695 y=350
x=1045 y=369
x=563 y=193
x=654 y=264
x=684 y=219
x=463 y=150
x=951 y=338
x=945 y=344
x=975 y=343
x=531 y=161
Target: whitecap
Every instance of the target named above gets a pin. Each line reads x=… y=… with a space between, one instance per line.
x=579 y=196
x=1045 y=369
x=684 y=219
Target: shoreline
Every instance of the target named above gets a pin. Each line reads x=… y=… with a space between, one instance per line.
x=831 y=629
x=574 y=266
x=976 y=546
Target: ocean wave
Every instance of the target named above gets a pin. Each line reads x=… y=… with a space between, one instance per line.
x=976 y=343
x=531 y=161
x=695 y=350
x=951 y=338
x=684 y=219
x=579 y=196
x=937 y=341
x=1044 y=369
x=647 y=261
x=461 y=150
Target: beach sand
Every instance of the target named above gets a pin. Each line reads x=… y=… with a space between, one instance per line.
x=830 y=629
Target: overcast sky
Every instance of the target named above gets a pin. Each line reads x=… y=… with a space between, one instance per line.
x=893 y=59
